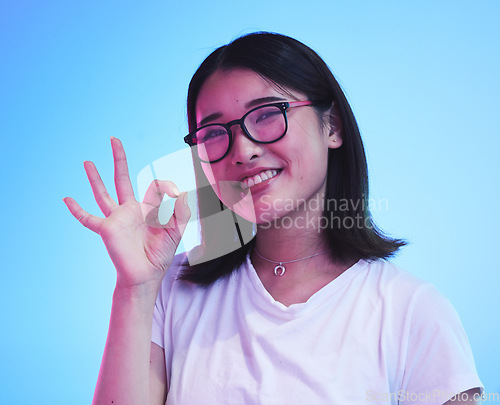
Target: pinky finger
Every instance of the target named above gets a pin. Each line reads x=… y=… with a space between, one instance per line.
x=87 y=220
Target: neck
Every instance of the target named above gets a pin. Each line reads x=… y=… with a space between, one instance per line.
x=281 y=243
x=306 y=260
x=291 y=237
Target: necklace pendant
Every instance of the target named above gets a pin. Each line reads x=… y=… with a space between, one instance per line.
x=279 y=270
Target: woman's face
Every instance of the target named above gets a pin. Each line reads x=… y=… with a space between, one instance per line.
x=264 y=182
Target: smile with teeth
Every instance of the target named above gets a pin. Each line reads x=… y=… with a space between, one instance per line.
x=258 y=178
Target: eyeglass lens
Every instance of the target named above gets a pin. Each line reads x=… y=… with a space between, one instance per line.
x=265 y=124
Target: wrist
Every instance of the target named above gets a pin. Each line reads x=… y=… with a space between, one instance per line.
x=145 y=293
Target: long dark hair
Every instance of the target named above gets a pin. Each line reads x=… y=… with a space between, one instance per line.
x=348 y=227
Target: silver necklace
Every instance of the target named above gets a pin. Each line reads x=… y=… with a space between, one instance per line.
x=279 y=270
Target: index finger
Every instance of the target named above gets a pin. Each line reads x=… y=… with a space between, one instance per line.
x=124 y=190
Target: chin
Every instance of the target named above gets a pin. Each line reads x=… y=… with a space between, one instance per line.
x=247 y=210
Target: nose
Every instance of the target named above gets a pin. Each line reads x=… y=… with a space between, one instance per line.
x=244 y=150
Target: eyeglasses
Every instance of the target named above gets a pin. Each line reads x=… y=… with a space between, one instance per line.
x=264 y=124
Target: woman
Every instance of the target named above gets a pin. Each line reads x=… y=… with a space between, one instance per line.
x=307 y=311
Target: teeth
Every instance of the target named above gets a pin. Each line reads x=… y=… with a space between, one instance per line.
x=258 y=178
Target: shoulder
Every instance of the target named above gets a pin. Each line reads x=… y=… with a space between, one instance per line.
x=189 y=292
x=421 y=295
x=417 y=305
x=390 y=280
x=175 y=268
x=171 y=278
x=423 y=303
x=433 y=348
x=389 y=272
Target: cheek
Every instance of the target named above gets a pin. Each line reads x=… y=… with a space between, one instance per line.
x=228 y=191
x=216 y=173
x=209 y=173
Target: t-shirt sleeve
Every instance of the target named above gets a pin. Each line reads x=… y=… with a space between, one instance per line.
x=439 y=361
x=158 y=328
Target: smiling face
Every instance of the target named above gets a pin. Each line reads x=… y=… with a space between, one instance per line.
x=265 y=182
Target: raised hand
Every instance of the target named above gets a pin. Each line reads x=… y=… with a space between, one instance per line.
x=140 y=247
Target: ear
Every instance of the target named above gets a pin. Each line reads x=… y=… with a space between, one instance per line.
x=334 y=127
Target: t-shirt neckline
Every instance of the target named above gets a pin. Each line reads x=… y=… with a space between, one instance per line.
x=266 y=301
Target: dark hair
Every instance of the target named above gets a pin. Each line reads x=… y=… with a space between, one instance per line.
x=290 y=64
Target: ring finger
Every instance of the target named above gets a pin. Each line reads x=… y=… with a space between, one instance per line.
x=102 y=197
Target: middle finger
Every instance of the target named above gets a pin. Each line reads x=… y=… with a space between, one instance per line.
x=124 y=190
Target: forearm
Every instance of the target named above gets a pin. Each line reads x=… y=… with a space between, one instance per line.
x=124 y=373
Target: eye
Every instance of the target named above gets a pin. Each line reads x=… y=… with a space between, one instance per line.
x=211 y=134
x=268 y=115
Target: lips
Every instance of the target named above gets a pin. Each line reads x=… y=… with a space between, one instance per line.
x=255 y=179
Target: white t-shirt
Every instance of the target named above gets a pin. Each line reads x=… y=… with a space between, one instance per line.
x=375 y=335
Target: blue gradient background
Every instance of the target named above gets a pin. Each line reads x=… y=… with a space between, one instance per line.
x=422 y=81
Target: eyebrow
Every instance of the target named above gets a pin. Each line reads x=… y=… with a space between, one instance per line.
x=263 y=100
x=249 y=105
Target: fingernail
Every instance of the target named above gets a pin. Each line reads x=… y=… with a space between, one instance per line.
x=112 y=137
x=176 y=191
x=185 y=199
